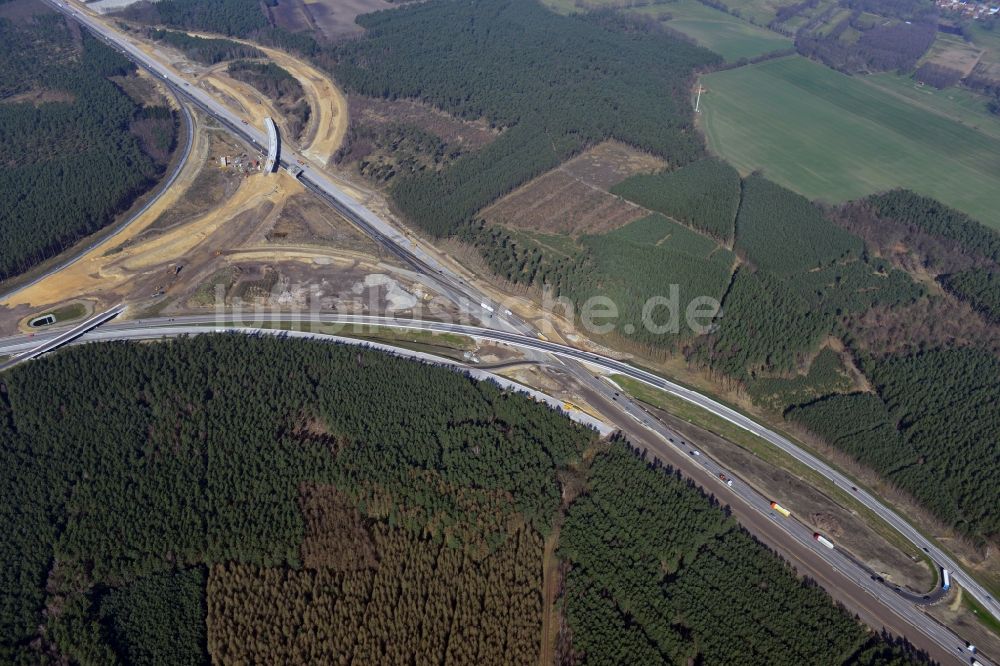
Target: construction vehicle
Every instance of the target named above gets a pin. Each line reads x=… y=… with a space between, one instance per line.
x=823 y=540
x=780 y=509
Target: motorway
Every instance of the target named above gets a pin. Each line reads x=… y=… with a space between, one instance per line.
x=49 y=343
x=312 y=178
x=510 y=330
x=162 y=188
x=902 y=604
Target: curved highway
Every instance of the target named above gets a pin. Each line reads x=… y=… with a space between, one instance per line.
x=105 y=234
x=903 y=604
x=515 y=331
x=312 y=176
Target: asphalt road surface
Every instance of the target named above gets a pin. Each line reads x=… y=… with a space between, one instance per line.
x=312 y=177
x=842 y=573
x=512 y=330
x=105 y=234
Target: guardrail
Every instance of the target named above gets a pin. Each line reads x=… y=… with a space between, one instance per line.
x=272 y=145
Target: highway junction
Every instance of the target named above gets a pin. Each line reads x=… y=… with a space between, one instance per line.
x=502 y=326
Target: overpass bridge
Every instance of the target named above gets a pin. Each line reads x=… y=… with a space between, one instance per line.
x=66 y=337
x=273 y=145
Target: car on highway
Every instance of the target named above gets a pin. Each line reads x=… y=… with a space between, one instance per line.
x=694 y=453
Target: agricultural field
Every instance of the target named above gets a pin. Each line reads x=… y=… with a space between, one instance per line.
x=727 y=35
x=759 y=12
x=959 y=104
x=809 y=16
x=986 y=39
x=833 y=138
x=953 y=52
x=574 y=199
x=333 y=18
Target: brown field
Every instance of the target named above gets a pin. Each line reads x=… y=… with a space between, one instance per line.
x=144 y=89
x=471 y=135
x=335 y=18
x=39 y=97
x=292 y=15
x=304 y=221
x=954 y=53
x=988 y=70
x=573 y=198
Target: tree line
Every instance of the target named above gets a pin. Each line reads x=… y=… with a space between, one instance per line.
x=655 y=562
x=204 y=50
x=551 y=97
x=235 y=18
x=196 y=451
x=929 y=428
x=68 y=167
x=144 y=466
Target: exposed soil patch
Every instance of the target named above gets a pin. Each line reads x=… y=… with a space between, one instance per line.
x=252 y=282
x=387 y=138
x=142 y=89
x=471 y=135
x=962 y=620
x=292 y=15
x=307 y=221
x=335 y=18
x=609 y=163
x=213 y=185
x=573 y=199
x=39 y=97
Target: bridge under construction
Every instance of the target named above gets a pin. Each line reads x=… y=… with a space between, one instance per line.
x=273 y=145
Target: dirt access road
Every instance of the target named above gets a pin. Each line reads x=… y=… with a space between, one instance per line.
x=328 y=121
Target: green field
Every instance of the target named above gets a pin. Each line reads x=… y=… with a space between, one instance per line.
x=833 y=138
x=727 y=35
x=760 y=12
x=987 y=39
x=959 y=104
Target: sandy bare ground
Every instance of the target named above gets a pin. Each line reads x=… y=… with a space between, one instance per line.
x=573 y=198
x=328 y=124
x=84 y=275
x=254 y=106
x=335 y=18
x=328 y=121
